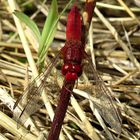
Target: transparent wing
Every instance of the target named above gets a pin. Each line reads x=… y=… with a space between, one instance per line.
x=31 y=95
x=105 y=102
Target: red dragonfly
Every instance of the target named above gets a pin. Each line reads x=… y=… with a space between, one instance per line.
x=73 y=54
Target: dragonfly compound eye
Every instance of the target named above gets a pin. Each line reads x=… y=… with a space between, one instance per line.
x=66 y=68
x=72 y=68
x=77 y=69
x=71 y=76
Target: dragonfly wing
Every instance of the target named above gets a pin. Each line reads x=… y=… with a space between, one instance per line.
x=31 y=95
x=32 y=104
x=105 y=104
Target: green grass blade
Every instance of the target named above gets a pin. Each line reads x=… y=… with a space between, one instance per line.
x=47 y=38
x=30 y=23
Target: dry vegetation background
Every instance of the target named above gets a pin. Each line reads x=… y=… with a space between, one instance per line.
x=116 y=41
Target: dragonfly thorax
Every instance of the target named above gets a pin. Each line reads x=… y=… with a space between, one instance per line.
x=72 y=54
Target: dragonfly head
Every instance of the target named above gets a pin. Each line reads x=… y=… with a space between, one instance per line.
x=71 y=71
